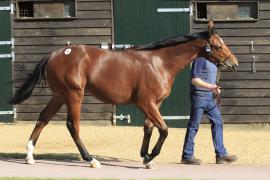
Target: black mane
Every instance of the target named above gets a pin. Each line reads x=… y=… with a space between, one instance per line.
x=173 y=41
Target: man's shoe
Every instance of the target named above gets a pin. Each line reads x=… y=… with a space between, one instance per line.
x=191 y=161
x=226 y=159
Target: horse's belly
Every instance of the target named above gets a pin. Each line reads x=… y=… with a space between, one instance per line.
x=112 y=95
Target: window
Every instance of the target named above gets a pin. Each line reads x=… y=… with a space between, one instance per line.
x=226 y=11
x=45 y=9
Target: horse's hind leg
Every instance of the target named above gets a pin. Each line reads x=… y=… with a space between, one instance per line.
x=73 y=125
x=50 y=110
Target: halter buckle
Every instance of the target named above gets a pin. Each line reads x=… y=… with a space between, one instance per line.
x=208 y=49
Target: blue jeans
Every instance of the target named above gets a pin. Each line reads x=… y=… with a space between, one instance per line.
x=203 y=102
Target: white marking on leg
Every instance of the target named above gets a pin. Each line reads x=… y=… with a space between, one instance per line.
x=95 y=164
x=150 y=165
x=30 y=149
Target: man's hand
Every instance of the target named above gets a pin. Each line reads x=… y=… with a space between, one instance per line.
x=217 y=91
x=214 y=88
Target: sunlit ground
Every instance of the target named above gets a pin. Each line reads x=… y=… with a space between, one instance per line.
x=249 y=142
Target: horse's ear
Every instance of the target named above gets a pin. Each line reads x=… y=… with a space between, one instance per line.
x=210 y=24
x=211 y=27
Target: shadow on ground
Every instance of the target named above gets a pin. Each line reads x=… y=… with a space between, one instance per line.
x=65 y=157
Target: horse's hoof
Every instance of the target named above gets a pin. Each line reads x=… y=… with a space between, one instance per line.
x=95 y=164
x=150 y=165
x=29 y=160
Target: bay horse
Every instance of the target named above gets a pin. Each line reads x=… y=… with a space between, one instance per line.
x=141 y=75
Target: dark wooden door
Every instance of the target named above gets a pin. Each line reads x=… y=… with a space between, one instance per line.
x=6 y=110
x=144 y=21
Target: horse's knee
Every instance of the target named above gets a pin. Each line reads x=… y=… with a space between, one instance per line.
x=163 y=132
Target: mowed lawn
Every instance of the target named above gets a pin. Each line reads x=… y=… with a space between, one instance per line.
x=249 y=142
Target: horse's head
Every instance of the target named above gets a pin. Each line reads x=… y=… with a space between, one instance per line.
x=218 y=52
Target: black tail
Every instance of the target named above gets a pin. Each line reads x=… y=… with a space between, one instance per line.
x=27 y=88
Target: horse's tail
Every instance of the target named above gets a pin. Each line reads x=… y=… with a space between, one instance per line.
x=27 y=88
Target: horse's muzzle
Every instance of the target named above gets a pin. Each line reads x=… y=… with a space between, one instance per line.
x=235 y=67
x=232 y=63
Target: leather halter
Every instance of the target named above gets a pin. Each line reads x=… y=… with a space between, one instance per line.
x=210 y=53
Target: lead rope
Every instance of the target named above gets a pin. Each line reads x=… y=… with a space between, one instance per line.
x=218 y=97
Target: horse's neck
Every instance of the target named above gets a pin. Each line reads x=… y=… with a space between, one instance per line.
x=179 y=56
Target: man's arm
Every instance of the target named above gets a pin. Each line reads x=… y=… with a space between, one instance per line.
x=213 y=87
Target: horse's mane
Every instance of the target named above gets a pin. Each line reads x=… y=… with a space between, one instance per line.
x=171 y=41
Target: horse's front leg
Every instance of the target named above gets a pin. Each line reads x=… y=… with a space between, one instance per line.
x=152 y=113
x=73 y=125
x=148 y=130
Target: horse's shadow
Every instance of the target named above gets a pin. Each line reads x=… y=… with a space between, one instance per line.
x=65 y=159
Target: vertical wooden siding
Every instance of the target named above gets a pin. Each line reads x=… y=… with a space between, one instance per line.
x=246 y=95
x=36 y=38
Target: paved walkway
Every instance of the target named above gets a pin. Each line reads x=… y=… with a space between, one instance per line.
x=131 y=170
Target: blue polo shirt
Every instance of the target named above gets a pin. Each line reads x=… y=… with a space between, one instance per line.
x=205 y=70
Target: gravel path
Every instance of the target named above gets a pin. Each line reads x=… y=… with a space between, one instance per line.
x=131 y=170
